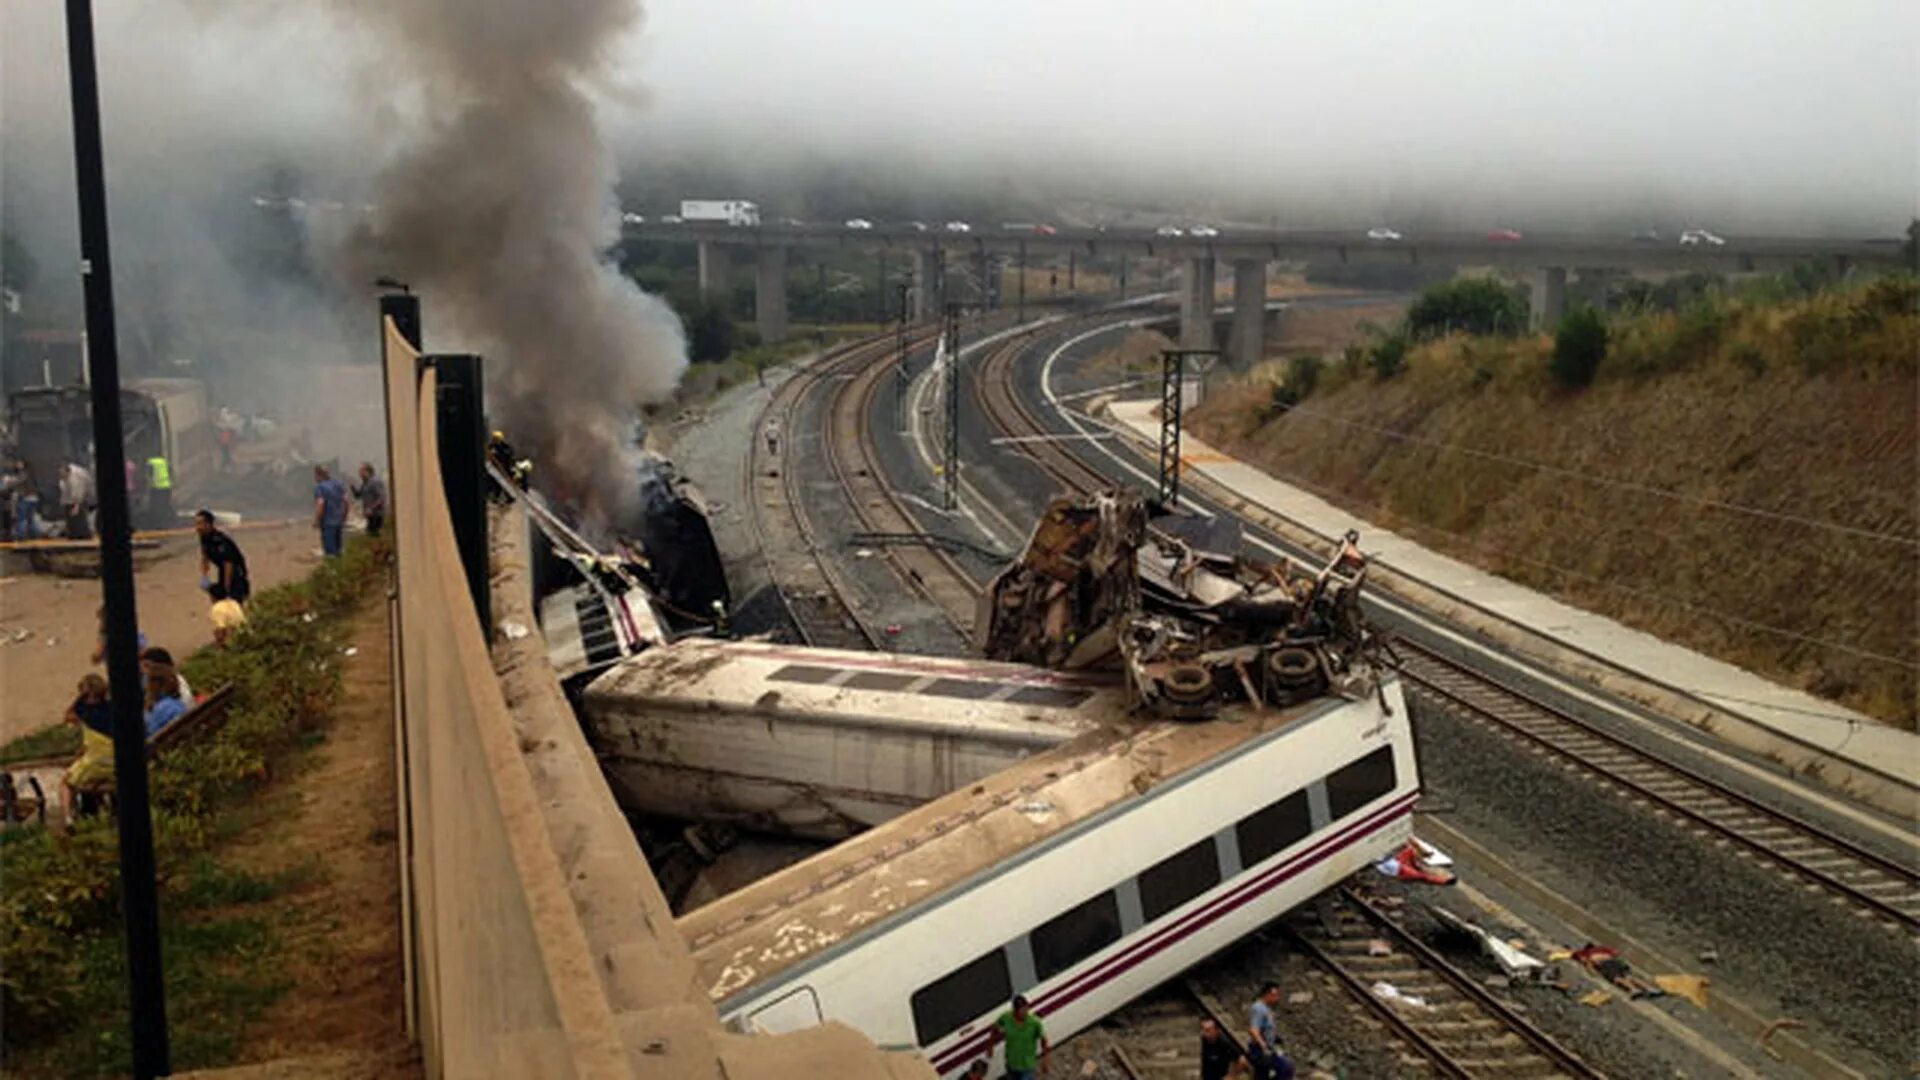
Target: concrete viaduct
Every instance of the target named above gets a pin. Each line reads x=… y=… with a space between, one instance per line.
x=1543 y=261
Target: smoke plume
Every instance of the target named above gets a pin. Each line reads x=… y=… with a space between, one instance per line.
x=495 y=203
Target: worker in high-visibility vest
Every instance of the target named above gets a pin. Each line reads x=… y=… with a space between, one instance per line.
x=160 y=493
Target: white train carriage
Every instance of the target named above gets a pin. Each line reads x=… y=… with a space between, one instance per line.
x=1080 y=878
x=822 y=743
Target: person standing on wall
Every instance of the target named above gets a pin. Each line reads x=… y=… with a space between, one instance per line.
x=329 y=511
x=373 y=498
x=159 y=493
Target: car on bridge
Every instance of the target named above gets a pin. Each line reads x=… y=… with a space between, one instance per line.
x=628 y=217
x=917 y=226
x=958 y=227
x=671 y=219
x=1381 y=232
x=1044 y=229
x=1169 y=230
x=1505 y=236
x=1693 y=237
x=859 y=223
x=1205 y=231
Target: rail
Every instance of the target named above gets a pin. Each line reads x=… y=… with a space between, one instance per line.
x=1877 y=884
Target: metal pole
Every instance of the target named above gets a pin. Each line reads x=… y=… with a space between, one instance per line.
x=1123 y=277
x=138 y=892
x=1173 y=372
x=1071 y=292
x=952 y=477
x=1021 y=314
x=900 y=363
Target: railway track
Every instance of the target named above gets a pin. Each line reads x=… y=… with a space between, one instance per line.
x=1876 y=886
x=811 y=587
x=1462 y=1030
x=1157 y=1036
x=854 y=458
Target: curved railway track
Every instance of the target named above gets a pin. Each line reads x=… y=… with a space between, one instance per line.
x=811 y=588
x=1873 y=884
x=854 y=459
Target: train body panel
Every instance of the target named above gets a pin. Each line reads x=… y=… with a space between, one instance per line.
x=1080 y=878
x=818 y=742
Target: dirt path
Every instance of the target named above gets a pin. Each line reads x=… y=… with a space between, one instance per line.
x=47 y=623
x=333 y=824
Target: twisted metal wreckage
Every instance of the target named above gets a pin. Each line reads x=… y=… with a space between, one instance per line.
x=1102 y=581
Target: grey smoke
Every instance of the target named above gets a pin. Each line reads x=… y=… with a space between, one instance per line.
x=496 y=205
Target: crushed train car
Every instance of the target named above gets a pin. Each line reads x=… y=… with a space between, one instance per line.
x=1194 y=625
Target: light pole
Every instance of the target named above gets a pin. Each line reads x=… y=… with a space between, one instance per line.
x=139 y=902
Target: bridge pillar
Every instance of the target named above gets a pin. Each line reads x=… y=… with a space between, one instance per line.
x=713 y=271
x=1196 y=304
x=770 y=294
x=1548 y=297
x=1247 y=341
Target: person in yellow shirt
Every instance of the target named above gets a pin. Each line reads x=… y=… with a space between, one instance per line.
x=94 y=716
x=228 y=616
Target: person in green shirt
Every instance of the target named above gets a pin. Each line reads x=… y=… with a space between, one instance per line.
x=1026 y=1037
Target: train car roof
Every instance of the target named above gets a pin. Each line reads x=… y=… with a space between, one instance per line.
x=781 y=921
x=926 y=693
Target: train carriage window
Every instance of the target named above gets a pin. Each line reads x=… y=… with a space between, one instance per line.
x=1072 y=936
x=1177 y=879
x=961 y=996
x=1355 y=785
x=1266 y=832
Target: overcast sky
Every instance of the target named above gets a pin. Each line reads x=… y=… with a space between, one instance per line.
x=1765 y=108
x=1765 y=115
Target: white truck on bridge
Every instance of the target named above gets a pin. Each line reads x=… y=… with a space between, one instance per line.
x=731 y=211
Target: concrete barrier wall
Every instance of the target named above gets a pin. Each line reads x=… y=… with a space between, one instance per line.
x=539 y=944
x=504 y=984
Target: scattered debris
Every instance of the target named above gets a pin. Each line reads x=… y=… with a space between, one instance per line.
x=863 y=553
x=1431 y=855
x=1691 y=987
x=894 y=629
x=1300 y=997
x=1709 y=955
x=1408 y=865
x=514 y=631
x=1379 y=947
x=1771 y=1029
x=351 y=650
x=1497 y=982
x=1607 y=963
x=1511 y=956
x=1596 y=998
x=1388 y=992
x=1193 y=625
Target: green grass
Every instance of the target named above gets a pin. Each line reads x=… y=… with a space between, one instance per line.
x=62 y=981
x=60 y=740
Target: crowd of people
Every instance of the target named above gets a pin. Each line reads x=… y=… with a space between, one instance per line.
x=165 y=693
x=1222 y=1057
x=25 y=514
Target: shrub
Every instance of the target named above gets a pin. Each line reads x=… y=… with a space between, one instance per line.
x=1388 y=357
x=1480 y=305
x=1578 y=347
x=1303 y=375
x=60 y=906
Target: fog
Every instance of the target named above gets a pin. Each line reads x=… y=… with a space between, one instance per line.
x=1782 y=118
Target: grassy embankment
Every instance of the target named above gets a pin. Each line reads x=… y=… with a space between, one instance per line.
x=62 y=973
x=1739 y=475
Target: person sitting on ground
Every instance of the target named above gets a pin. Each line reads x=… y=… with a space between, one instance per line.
x=93 y=715
x=163 y=702
x=228 y=617
x=158 y=661
x=223 y=566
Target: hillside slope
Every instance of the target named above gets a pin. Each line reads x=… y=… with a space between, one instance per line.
x=1739 y=478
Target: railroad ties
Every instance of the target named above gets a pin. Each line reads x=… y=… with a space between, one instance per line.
x=1461 y=1028
x=1877 y=886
